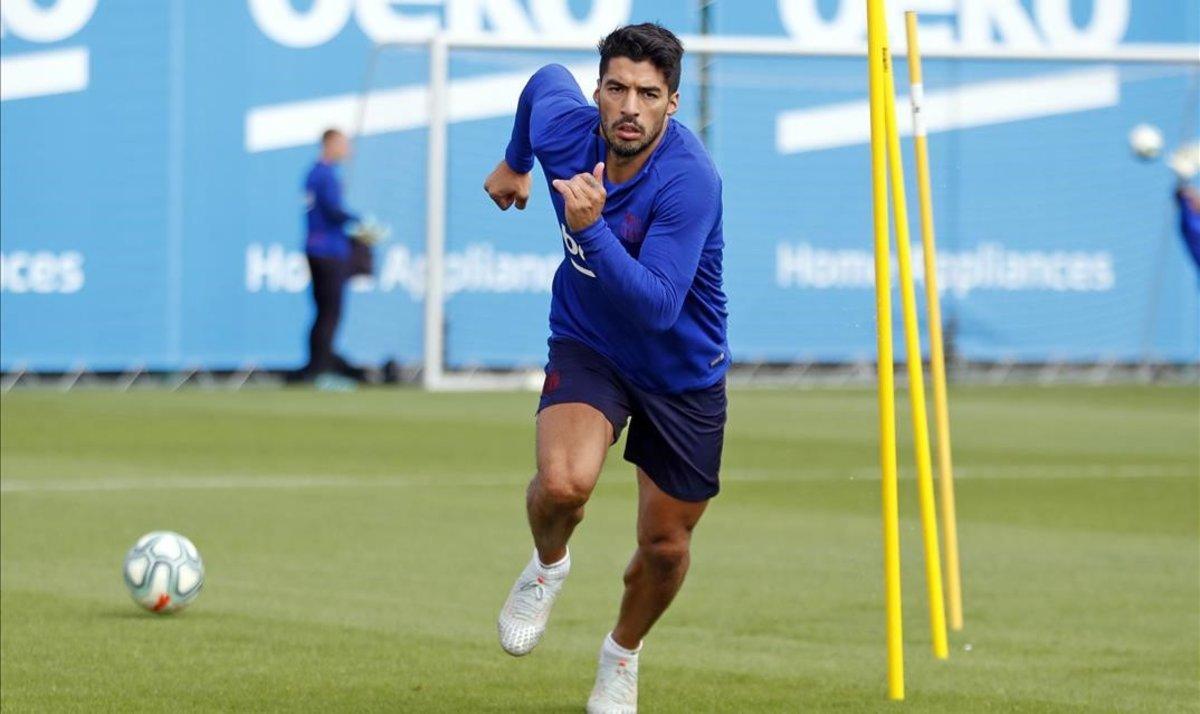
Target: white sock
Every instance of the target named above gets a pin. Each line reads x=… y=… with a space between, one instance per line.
x=553 y=567
x=611 y=645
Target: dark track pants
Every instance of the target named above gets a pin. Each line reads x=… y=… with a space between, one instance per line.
x=328 y=288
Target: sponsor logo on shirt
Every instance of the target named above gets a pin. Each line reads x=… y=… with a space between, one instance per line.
x=576 y=251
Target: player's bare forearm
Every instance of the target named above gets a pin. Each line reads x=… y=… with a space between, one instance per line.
x=507 y=187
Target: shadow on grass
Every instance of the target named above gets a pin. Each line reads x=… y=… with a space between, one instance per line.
x=133 y=612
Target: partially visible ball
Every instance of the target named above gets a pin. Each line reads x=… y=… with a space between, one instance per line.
x=163 y=572
x=1146 y=141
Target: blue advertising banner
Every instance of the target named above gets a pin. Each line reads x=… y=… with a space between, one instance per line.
x=152 y=154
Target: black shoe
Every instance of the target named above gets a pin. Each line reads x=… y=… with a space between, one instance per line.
x=391 y=372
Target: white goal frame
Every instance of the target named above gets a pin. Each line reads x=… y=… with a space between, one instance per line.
x=434 y=375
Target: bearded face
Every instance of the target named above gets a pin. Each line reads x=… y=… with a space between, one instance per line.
x=634 y=103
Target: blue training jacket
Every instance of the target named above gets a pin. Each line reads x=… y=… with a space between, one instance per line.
x=641 y=285
x=325 y=217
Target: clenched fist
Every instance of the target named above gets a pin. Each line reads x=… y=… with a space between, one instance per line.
x=584 y=196
x=507 y=187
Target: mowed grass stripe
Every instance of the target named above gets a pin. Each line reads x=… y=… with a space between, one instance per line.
x=160 y=482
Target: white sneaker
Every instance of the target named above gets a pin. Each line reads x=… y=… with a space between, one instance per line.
x=616 y=680
x=523 y=617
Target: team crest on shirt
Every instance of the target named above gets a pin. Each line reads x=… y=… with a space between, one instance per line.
x=631 y=228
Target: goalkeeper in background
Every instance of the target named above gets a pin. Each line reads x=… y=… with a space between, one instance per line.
x=327 y=244
x=637 y=332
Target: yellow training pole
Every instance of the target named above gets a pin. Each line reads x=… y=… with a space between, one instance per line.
x=916 y=378
x=877 y=63
x=937 y=359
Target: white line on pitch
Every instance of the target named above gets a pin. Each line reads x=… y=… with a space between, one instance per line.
x=206 y=483
x=731 y=475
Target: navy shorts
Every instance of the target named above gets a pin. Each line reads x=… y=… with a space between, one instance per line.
x=675 y=438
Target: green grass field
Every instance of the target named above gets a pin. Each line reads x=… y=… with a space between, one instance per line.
x=358 y=547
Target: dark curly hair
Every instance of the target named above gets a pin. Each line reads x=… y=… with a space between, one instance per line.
x=648 y=41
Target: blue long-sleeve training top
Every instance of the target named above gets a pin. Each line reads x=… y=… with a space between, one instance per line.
x=325 y=217
x=641 y=285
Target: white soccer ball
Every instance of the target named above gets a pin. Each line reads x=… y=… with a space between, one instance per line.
x=163 y=572
x=1146 y=141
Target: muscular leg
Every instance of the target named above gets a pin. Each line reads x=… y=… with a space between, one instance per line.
x=572 y=440
x=656 y=572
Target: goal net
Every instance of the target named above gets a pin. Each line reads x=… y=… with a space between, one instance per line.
x=1055 y=243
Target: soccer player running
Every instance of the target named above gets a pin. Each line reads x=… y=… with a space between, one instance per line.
x=637 y=323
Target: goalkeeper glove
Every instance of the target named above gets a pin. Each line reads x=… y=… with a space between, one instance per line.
x=370 y=231
x=1185 y=161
